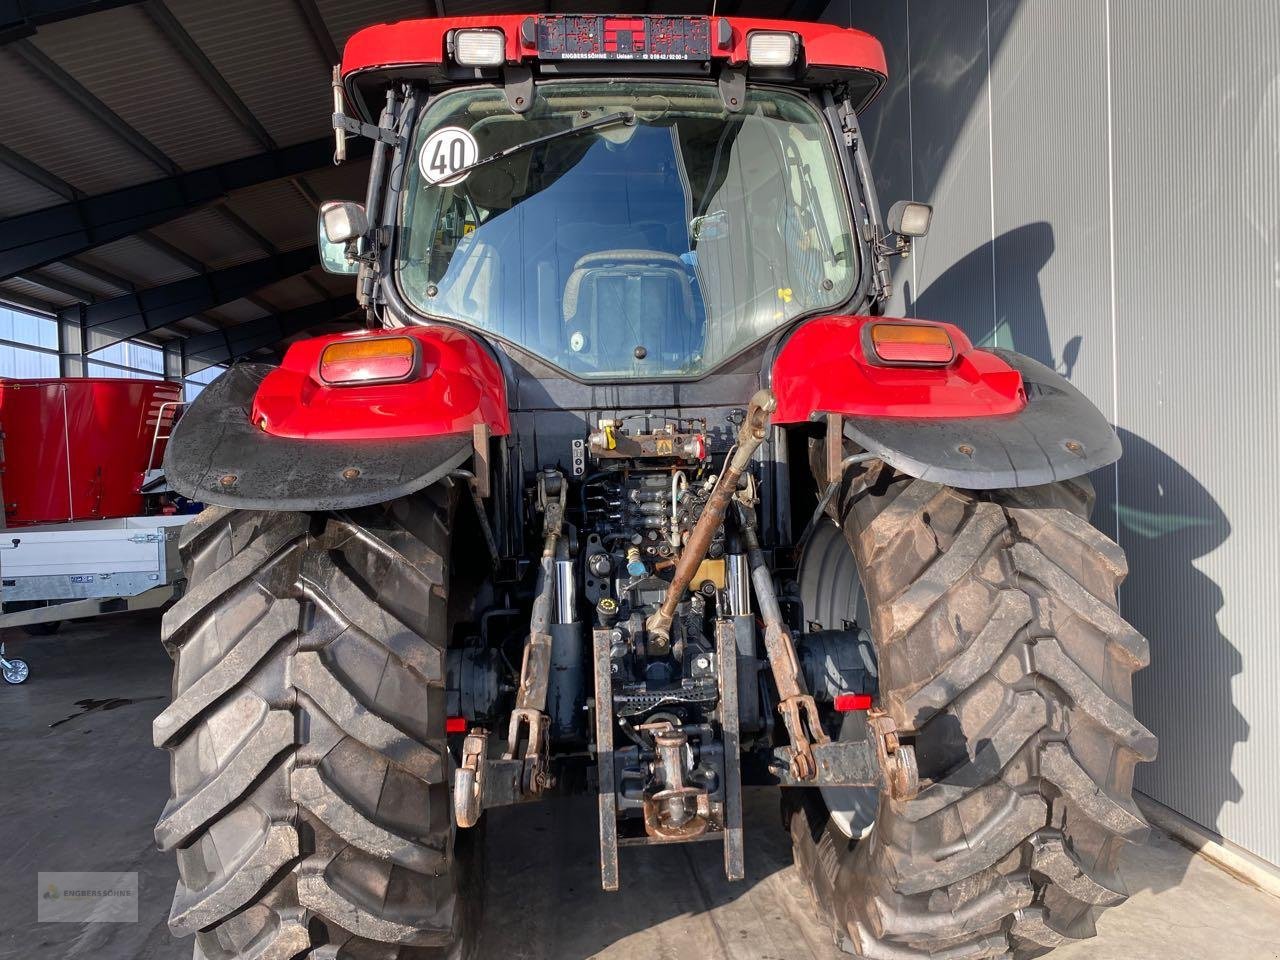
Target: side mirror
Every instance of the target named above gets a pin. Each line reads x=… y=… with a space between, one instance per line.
x=343 y=224
x=910 y=219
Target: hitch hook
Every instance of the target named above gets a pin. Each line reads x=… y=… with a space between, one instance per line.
x=468 y=781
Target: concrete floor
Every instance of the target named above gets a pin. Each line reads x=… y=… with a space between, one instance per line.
x=83 y=795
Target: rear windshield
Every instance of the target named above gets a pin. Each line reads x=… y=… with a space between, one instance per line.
x=658 y=248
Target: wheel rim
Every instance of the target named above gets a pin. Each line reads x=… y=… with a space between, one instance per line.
x=832 y=595
x=17 y=671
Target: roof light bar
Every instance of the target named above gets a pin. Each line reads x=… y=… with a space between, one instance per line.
x=480 y=48
x=770 y=48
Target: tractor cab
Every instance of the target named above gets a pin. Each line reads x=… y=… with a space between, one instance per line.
x=621 y=198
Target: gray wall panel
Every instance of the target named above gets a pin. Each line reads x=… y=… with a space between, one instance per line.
x=1114 y=176
x=951 y=163
x=1053 y=244
x=1196 y=170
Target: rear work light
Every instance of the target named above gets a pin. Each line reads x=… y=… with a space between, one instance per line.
x=768 y=48
x=911 y=343
x=380 y=360
x=480 y=48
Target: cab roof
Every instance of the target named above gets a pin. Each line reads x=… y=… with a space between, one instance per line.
x=421 y=50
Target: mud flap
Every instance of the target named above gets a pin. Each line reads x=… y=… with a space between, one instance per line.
x=1059 y=436
x=217 y=456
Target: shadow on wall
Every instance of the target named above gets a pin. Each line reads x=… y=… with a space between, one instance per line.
x=1176 y=606
x=1021 y=324
x=1166 y=597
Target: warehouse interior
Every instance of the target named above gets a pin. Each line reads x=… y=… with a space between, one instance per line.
x=1107 y=201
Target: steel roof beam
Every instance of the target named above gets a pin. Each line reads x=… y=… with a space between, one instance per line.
x=78 y=94
x=319 y=31
x=59 y=286
x=38 y=174
x=30 y=304
x=204 y=68
x=223 y=346
x=20 y=18
x=152 y=309
x=31 y=240
x=160 y=245
x=246 y=229
x=97 y=273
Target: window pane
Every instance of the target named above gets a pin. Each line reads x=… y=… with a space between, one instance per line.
x=25 y=328
x=201 y=379
x=102 y=370
x=26 y=364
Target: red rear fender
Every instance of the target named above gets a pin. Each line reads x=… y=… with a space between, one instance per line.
x=986 y=420
x=824 y=368
x=455 y=386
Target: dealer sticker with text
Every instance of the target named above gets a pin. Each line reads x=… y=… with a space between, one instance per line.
x=87 y=897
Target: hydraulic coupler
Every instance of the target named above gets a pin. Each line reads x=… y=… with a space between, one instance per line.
x=754 y=429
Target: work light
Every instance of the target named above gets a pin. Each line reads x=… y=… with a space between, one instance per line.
x=480 y=48
x=768 y=48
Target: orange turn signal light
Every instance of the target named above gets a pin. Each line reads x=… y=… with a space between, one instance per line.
x=378 y=360
x=912 y=343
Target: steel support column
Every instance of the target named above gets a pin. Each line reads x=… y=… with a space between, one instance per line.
x=72 y=345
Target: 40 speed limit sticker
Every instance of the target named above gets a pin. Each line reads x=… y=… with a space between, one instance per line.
x=445 y=153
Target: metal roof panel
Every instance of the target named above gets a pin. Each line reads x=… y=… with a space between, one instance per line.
x=137 y=261
x=266 y=52
x=278 y=212
x=68 y=142
x=20 y=195
x=346 y=18
x=209 y=237
x=68 y=274
x=33 y=291
x=125 y=61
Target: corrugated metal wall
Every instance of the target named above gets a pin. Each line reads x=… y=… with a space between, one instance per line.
x=1107 y=182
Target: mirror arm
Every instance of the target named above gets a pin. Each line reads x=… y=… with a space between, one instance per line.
x=343 y=125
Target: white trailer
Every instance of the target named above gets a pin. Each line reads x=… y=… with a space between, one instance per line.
x=65 y=571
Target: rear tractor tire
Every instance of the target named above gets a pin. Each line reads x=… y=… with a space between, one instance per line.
x=310 y=812
x=1002 y=657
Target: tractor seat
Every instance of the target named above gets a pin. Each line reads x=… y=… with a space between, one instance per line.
x=621 y=299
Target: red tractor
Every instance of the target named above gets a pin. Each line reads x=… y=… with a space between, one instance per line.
x=631 y=488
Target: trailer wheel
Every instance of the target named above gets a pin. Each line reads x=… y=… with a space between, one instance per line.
x=47 y=629
x=310 y=799
x=1003 y=658
x=16 y=671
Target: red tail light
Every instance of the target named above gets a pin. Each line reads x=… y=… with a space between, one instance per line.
x=455 y=725
x=376 y=360
x=850 y=702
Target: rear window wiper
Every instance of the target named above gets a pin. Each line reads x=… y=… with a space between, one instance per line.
x=627 y=117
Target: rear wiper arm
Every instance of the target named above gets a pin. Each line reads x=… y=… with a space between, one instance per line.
x=627 y=117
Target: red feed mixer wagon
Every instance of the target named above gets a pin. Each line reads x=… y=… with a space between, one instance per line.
x=88 y=523
x=79 y=449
